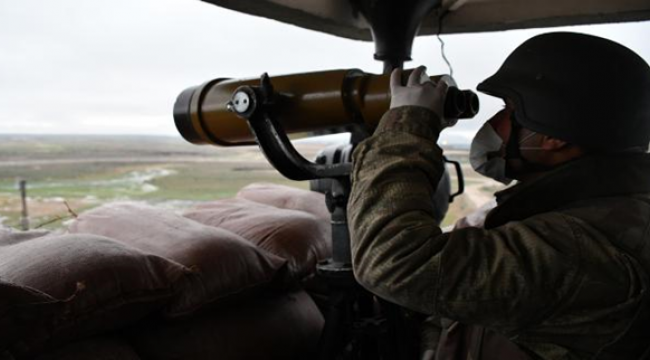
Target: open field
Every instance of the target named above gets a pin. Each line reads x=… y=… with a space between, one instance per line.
x=70 y=174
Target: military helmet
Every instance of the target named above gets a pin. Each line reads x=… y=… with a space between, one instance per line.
x=579 y=88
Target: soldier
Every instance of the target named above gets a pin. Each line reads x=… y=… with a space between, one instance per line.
x=560 y=269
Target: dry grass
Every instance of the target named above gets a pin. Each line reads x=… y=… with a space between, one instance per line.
x=88 y=171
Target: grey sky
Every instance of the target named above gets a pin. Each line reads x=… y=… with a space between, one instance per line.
x=99 y=67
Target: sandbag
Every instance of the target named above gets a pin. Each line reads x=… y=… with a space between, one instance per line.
x=286 y=197
x=293 y=235
x=269 y=327
x=224 y=265
x=8 y=235
x=100 y=348
x=24 y=313
x=100 y=283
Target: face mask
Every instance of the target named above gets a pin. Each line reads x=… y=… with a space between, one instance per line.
x=529 y=147
x=513 y=151
x=481 y=154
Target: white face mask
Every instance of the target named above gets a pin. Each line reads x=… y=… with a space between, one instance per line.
x=529 y=136
x=485 y=142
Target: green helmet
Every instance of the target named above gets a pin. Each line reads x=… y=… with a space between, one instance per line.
x=579 y=88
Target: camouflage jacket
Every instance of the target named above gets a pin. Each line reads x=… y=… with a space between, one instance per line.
x=561 y=267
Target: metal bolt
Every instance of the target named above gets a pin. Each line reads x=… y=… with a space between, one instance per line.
x=240 y=102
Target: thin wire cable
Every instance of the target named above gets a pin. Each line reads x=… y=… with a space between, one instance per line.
x=442 y=43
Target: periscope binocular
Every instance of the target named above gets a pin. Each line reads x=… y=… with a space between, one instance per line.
x=319 y=102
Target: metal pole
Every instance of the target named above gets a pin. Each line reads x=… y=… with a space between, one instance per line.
x=24 y=219
x=392 y=64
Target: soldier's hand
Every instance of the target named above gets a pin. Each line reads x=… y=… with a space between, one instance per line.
x=419 y=91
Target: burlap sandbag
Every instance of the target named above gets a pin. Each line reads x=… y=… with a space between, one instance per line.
x=224 y=265
x=102 y=284
x=100 y=348
x=9 y=235
x=293 y=235
x=25 y=313
x=286 y=197
x=281 y=327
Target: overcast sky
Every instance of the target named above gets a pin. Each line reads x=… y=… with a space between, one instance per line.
x=116 y=67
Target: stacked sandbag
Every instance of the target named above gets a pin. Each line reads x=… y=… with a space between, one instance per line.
x=25 y=313
x=99 y=348
x=64 y=287
x=286 y=197
x=270 y=327
x=8 y=235
x=296 y=236
x=224 y=265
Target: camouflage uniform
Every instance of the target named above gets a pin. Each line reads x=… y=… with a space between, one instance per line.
x=561 y=267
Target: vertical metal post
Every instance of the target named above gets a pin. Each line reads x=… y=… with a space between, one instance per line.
x=24 y=219
x=392 y=64
x=337 y=200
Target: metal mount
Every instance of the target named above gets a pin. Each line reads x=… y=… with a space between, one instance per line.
x=460 y=179
x=255 y=104
x=354 y=329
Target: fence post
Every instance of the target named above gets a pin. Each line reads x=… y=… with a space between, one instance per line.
x=24 y=219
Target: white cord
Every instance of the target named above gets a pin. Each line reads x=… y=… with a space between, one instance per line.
x=442 y=44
